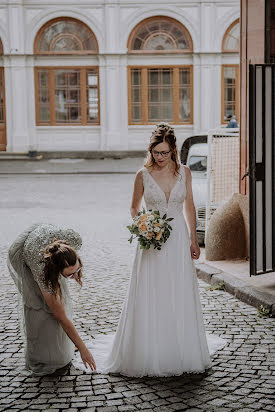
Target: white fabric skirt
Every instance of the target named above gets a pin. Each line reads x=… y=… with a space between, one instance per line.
x=161 y=330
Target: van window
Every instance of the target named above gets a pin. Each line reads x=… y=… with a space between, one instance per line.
x=198 y=163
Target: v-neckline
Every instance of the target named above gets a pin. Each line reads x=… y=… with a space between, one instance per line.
x=156 y=183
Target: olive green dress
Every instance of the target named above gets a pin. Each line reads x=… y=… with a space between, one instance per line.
x=47 y=347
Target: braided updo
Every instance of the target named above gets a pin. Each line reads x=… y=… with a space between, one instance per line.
x=57 y=256
x=163 y=133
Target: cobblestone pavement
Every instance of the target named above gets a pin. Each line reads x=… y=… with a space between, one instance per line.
x=243 y=374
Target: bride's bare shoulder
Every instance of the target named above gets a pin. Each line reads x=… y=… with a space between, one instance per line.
x=139 y=176
x=187 y=171
x=140 y=171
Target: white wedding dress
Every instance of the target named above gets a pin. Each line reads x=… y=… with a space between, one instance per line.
x=161 y=330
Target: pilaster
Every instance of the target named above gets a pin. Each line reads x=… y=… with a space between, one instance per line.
x=17 y=103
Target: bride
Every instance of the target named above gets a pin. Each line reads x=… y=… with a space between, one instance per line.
x=161 y=330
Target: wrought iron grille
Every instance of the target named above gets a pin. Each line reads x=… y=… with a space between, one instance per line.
x=262 y=168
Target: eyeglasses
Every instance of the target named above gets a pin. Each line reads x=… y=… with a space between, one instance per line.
x=71 y=275
x=162 y=154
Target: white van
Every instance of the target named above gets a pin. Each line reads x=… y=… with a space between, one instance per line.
x=197 y=162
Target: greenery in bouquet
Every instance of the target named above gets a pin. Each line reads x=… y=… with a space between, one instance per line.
x=150 y=229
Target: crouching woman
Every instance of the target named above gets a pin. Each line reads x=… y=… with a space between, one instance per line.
x=40 y=261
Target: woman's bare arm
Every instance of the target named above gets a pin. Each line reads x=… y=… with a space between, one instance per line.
x=137 y=194
x=57 y=308
x=190 y=213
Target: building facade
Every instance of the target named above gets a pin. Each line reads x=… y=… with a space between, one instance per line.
x=98 y=74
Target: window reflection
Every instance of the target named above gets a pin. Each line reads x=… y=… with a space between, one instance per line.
x=166 y=93
x=67 y=96
x=67 y=105
x=231 y=40
x=92 y=106
x=1 y=96
x=160 y=34
x=66 y=36
x=198 y=163
x=229 y=81
x=160 y=92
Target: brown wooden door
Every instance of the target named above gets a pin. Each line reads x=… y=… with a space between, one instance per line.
x=3 y=140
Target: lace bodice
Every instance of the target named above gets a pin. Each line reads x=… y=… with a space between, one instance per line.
x=37 y=240
x=155 y=197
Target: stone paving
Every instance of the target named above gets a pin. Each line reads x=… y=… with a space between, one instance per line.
x=243 y=374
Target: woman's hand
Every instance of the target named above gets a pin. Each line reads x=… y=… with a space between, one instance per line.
x=195 y=250
x=87 y=358
x=57 y=308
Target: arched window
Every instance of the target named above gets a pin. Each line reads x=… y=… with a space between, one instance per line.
x=65 y=36
x=160 y=93
x=66 y=95
x=160 y=35
x=230 y=74
x=231 y=39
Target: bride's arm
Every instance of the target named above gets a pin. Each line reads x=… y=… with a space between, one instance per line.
x=137 y=194
x=190 y=213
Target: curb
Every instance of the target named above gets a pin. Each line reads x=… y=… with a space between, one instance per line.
x=118 y=172
x=91 y=155
x=236 y=287
x=8 y=156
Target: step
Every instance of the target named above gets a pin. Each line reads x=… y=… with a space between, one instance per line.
x=18 y=156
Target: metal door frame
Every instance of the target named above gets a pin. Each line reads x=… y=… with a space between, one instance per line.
x=261 y=142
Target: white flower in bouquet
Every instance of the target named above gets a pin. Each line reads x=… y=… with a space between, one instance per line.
x=150 y=229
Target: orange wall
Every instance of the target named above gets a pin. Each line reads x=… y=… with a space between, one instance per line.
x=252 y=50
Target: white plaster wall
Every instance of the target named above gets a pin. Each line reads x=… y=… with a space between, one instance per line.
x=112 y=22
x=68 y=138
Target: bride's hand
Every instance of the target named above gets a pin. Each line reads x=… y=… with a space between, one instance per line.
x=195 y=250
x=87 y=358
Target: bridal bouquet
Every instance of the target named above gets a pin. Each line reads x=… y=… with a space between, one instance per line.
x=150 y=229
